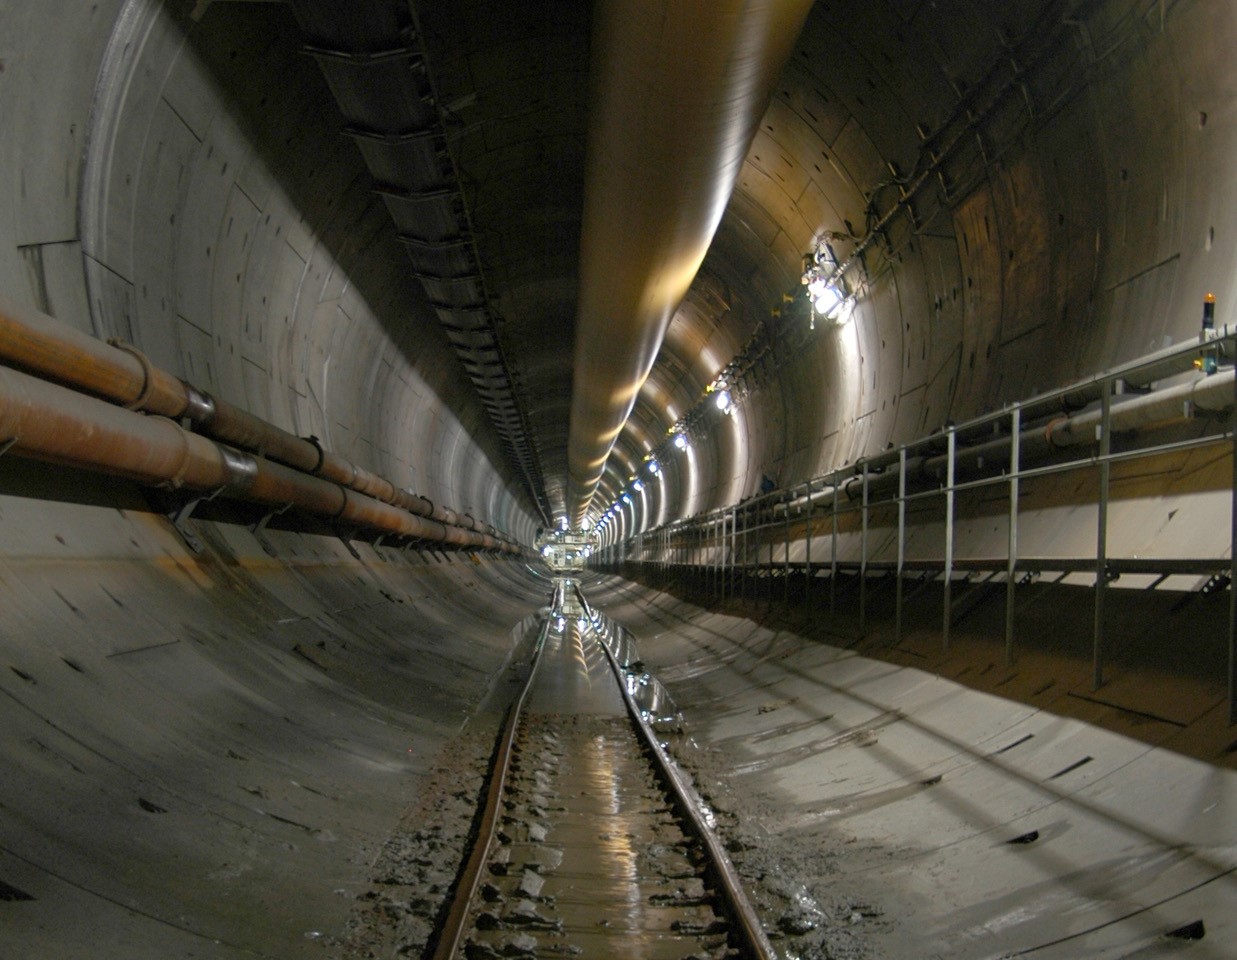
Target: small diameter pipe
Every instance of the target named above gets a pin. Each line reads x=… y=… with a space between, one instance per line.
x=48 y=422
x=48 y=348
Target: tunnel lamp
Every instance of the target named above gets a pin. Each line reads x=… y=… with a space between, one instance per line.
x=825 y=296
x=820 y=273
x=654 y=467
x=626 y=498
x=723 y=401
x=680 y=441
x=562 y=522
x=546 y=550
x=638 y=485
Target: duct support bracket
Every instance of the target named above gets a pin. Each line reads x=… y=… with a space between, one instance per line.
x=180 y=516
x=346 y=535
x=259 y=529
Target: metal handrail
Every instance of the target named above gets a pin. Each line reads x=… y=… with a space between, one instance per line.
x=978 y=445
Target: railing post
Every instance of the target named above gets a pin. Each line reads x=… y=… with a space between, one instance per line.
x=833 y=551
x=734 y=543
x=807 y=550
x=897 y=632
x=702 y=568
x=769 y=527
x=719 y=554
x=863 y=558
x=1011 y=566
x=786 y=574
x=1232 y=571
x=1101 y=539
x=715 y=527
x=949 y=539
x=743 y=571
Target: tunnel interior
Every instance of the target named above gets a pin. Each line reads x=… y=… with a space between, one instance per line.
x=364 y=223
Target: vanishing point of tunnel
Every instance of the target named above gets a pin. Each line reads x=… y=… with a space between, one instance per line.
x=866 y=368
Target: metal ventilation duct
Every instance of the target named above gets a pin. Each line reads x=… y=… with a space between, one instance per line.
x=678 y=92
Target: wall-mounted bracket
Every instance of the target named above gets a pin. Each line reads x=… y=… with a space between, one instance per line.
x=179 y=519
x=345 y=537
x=258 y=528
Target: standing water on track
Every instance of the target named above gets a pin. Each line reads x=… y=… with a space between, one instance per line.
x=591 y=860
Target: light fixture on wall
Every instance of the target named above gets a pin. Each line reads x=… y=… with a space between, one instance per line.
x=824 y=284
x=680 y=441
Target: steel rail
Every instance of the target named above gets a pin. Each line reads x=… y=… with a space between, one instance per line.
x=723 y=874
x=453 y=927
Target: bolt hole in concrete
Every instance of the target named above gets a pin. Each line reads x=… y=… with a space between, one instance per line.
x=150 y=807
x=10 y=894
x=22 y=673
x=1029 y=837
x=71 y=665
x=1191 y=931
x=1072 y=767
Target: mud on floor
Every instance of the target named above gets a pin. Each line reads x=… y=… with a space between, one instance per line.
x=799 y=889
x=418 y=863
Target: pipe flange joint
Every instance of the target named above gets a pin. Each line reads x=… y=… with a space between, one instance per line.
x=321 y=453
x=148 y=373
x=177 y=480
x=242 y=469
x=343 y=501
x=199 y=406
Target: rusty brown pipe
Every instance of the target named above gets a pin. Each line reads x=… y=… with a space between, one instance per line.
x=48 y=422
x=52 y=349
x=678 y=92
x=122 y=374
x=55 y=424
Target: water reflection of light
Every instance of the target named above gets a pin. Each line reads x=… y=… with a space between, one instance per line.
x=610 y=763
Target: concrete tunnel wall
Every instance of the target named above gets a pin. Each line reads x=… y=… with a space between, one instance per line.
x=194 y=742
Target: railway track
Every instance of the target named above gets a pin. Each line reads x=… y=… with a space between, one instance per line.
x=590 y=843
